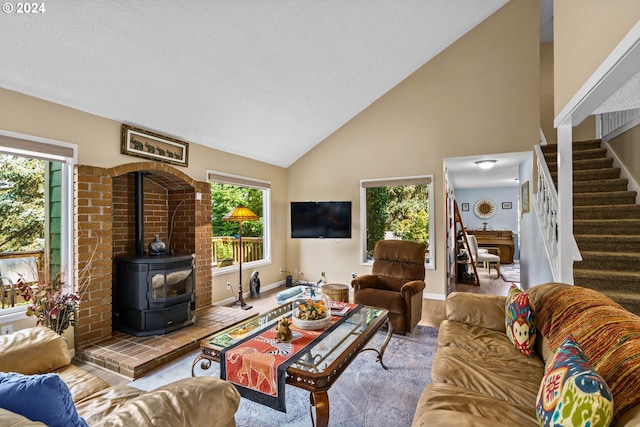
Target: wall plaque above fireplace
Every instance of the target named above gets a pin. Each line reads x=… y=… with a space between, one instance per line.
x=150 y=145
x=153 y=294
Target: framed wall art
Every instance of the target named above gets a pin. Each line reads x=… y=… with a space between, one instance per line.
x=484 y=208
x=524 y=197
x=506 y=205
x=150 y=145
x=465 y=207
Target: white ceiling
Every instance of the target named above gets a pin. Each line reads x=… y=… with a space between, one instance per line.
x=463 y=173
x=263 y=79
x=268 y=80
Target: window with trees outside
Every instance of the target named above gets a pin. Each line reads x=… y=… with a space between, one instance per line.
x=227 y=192
x=35 y=218
x=397 y=208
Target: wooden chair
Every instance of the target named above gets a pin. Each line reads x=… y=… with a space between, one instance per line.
x=482 y=255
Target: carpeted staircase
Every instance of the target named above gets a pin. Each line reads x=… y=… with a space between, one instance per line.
x=606 y=224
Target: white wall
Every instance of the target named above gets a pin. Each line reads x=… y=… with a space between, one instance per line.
x=534 y=264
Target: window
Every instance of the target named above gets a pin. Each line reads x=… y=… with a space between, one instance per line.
x=397 y=208
x=36 y=205
x=227 y=192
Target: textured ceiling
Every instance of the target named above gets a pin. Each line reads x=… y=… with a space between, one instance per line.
x=625 y=98
x=263 y=79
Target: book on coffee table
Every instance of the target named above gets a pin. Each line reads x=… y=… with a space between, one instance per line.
x=339 y=308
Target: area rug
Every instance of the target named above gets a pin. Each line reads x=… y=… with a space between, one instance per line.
x=365 y=395
x=510 y=273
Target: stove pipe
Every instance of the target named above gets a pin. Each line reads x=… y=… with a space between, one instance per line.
x=139 y=211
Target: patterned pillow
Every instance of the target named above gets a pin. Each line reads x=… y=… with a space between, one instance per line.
x=572 y=393
x=520 y=320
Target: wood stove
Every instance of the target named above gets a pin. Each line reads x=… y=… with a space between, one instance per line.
x=153 y=294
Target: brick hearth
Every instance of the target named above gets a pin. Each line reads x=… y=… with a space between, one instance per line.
x=136 y=356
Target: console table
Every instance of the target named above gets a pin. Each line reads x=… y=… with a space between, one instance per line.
x=502 y=239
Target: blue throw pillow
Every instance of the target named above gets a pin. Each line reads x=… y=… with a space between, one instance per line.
x=45 y=398
x=285 y=295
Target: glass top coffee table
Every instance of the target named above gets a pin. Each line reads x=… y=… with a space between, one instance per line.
x=320 y=366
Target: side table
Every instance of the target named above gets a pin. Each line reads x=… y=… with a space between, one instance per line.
x=337 y=291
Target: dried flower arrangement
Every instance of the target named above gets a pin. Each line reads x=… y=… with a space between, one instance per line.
x=53 y=306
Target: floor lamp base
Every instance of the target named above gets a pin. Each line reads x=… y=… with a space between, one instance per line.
x=243 y=305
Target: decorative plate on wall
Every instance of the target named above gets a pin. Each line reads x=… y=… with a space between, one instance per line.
x=484 y=208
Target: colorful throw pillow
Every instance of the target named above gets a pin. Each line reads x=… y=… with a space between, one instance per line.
x=520 y=320
x=572 y=393
x=45 y=398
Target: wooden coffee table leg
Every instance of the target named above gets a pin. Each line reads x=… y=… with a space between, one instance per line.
x=319 y=399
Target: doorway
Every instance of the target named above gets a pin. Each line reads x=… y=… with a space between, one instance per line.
x=488 y=200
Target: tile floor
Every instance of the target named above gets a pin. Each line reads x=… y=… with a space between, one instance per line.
x=133 y=356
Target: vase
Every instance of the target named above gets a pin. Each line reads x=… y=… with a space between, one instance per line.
x=157 y=246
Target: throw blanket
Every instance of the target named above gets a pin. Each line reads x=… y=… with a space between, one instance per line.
x=608 y=334
x=257 y=365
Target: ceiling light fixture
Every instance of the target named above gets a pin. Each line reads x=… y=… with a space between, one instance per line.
x=485 y=164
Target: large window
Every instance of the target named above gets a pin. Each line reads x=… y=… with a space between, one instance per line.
x=227 y=192
x=35 y=210
x=397 y=208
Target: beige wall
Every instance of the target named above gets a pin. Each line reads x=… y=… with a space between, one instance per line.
x=627 y=148
x=98 y=141
x=585 y=33
x=547 y=113
x=481 y=95
x=586 y=130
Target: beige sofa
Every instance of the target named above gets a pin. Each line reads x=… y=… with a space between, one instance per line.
x=480 y=379
x=202 y=401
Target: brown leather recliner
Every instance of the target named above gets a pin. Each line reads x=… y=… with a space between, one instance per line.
x=396 y=282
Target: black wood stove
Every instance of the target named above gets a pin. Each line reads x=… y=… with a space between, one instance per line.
x=152 y=294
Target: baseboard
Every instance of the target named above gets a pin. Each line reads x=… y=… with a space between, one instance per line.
x=439 y=297
x=231 y=300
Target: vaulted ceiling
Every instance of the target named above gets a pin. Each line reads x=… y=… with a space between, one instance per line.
x=267 y=79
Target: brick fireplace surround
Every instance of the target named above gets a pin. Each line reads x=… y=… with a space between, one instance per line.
x=104 y=227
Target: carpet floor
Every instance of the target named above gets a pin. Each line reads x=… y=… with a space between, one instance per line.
x=365 y=395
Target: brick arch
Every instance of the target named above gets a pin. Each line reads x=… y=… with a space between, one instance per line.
x=160 y=169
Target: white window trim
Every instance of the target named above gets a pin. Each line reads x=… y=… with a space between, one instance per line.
x=17 y=313
x=238 y=180
x=431 y=264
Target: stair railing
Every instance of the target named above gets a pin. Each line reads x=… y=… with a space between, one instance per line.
x=614 y=123
x=545 y=203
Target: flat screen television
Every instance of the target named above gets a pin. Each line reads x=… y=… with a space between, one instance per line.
x=318 y=220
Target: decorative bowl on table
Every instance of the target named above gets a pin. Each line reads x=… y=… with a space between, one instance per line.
x=311 y=314
x=311 y=325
